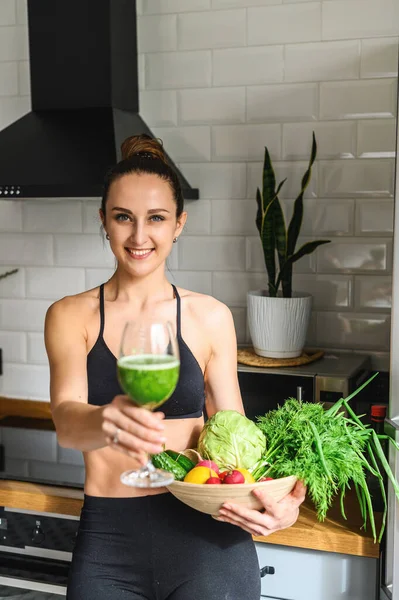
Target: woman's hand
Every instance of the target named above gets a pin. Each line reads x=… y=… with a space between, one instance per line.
x=277 y=515
x=133 y=430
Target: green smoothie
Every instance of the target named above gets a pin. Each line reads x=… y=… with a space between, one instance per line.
x=148 y=379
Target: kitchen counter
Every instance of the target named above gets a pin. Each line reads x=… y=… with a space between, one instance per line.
x=333 y=535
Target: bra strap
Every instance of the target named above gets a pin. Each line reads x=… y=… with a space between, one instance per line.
x=178 y=311
x=102 y=315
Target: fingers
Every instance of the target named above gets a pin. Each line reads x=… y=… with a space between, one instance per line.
x=299 y=492
x=266 y=527
x=139 y=431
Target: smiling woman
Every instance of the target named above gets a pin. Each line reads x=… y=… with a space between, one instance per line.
x=134 y=542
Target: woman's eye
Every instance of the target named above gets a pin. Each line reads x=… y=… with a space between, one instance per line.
x=157 y=218
x=122 y=217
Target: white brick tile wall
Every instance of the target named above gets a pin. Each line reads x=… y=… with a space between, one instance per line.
x=344 y=19
x=197 y=281
x=284 y=24
x=26 y=249
x=82 y=251
x=248 y=66
x=95 y=277
x=22 y=12
x=213 y=106
x=373 y=293
x=23 y=315
x=323 y=218
x=353 y=330
x=14 y=346
x=379 y=58
x=24 y=78
x=243 y=3
x=356 y=178
x=157 y=33
x=217 y=180
x=199 y=218
x=232 y=288
x=234 y=217
x=245 y=142
x=178 y=69
x=329 y=291
x=376 y=138
x=91 y=217
x=14 y=285
x=219 y=80
x=291 y=171
x=8 y=78
x=212 y=253
x=7 y=12
x=54 y=282
x=288 y=102
x=214 y=29
x=56 y=216
x=256 y=261
x=14 y=43
x=159 y=108
x=322 y=61
x=371 y=98
x=36 y=349
x=173 y=6
x=186 y=143
x=374 y=217
x=29 y=382
x=10 y=216
x=336 y=139
x=355 y=255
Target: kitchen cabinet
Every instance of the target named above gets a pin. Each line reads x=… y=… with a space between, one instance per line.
x=312 y=575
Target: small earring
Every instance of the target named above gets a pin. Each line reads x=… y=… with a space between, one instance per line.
x=174 y=240
x=107 y=237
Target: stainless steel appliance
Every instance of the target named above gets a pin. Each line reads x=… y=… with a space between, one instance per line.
x=325 y=380
x=35 y=554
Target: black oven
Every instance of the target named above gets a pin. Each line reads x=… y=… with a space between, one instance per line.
x=35 y=554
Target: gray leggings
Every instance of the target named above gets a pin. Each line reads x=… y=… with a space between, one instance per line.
x=156 y=548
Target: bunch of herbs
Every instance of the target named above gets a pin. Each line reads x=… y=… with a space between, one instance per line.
x=328 y=451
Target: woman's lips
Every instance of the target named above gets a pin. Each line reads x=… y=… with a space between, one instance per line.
x=139 y=254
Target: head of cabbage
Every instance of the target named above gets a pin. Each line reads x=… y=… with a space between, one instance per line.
x=231 y=440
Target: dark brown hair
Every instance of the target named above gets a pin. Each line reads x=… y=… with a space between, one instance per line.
x=143 y=154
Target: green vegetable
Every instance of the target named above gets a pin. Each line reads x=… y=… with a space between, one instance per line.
x=231 y=440
x=327 y=451
x=166 y=462
x=183 y=461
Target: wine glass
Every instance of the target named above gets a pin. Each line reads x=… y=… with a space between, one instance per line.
x=148 y=370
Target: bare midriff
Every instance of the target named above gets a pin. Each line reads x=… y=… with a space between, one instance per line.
x=104 y=466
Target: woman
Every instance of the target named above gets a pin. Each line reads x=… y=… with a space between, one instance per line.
x=143 y=543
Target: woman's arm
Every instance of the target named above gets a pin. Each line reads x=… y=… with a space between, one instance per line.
x=223 y=392
x=221 y=379
x=78 y=424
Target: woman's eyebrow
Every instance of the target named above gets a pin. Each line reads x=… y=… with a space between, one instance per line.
x=151 y=211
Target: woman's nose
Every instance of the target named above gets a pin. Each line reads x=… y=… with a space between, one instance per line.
x=139 y=235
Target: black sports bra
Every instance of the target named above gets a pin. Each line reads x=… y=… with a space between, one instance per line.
x=187 y=401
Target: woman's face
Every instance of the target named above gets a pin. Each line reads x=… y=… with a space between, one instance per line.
x=141 y=222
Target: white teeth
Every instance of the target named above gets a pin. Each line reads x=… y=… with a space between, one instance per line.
x=139 y=252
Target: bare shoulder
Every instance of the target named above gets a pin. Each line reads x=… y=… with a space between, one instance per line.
x=73 y=309
x=207 y=309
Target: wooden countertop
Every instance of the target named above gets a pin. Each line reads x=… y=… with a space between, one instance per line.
x=333 y=535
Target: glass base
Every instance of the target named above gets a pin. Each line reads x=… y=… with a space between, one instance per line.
x=147 y=478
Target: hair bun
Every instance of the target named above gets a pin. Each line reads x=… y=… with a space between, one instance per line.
x=144 y=146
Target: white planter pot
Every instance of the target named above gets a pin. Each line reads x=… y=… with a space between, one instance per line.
x=278 y=326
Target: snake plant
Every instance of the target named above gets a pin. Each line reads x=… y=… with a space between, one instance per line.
x=275 y=237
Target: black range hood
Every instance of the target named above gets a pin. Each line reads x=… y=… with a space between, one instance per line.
x=84 y=82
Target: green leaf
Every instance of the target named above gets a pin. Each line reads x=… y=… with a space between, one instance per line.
x=296 y=220
x=269 y=181
x=258 y=220
x=307 y=248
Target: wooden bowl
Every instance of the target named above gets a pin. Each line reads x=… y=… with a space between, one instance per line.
x=209 y=498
